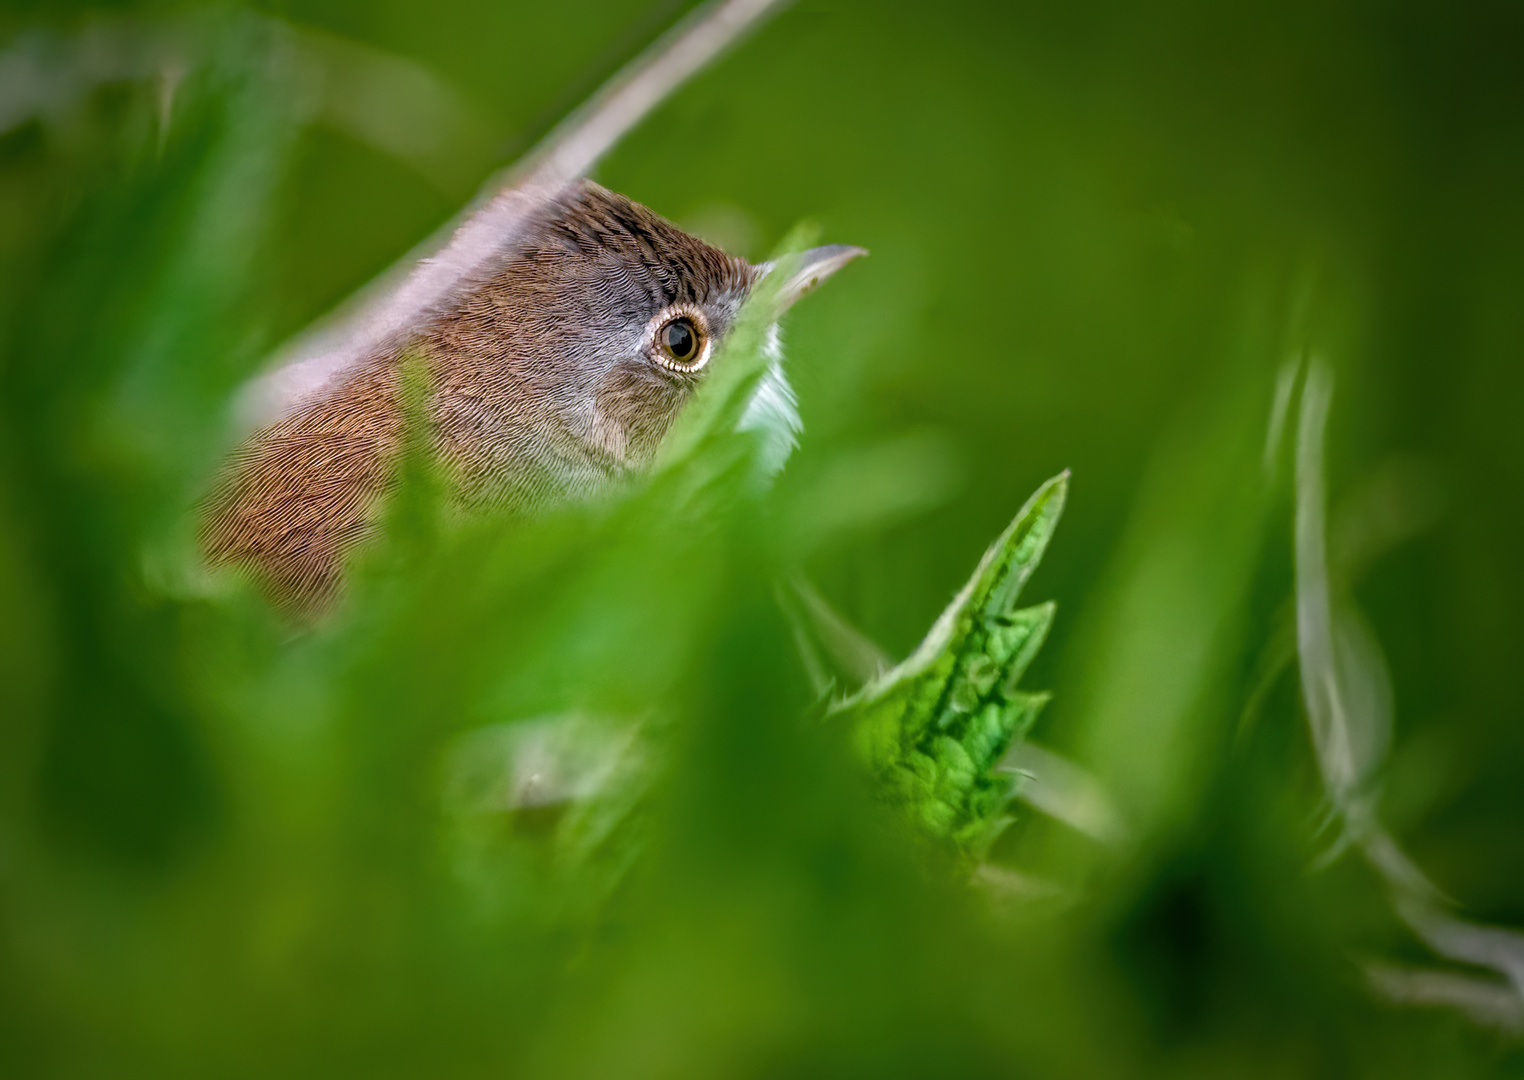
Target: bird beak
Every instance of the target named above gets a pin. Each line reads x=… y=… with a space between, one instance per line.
x=811 y=268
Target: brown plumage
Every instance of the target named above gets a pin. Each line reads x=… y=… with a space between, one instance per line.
x=543 y=381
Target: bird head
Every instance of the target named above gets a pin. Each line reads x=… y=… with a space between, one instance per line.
x=599 y=326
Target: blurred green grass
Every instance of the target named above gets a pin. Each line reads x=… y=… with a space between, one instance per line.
x=1099 y=235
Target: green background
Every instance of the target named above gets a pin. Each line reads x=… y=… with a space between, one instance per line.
x=1098 y=231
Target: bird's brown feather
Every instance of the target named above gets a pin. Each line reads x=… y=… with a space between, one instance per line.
x=523 y=403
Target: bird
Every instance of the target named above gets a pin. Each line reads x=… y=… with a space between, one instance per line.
x=549 y=373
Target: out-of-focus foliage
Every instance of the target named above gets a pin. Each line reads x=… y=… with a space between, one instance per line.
x=568 y=798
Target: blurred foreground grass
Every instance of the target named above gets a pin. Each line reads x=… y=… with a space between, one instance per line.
x=1170 y=251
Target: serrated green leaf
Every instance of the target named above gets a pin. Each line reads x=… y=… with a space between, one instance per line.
x=933 y=728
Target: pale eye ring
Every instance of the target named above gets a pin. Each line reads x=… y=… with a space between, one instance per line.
x=680 y=344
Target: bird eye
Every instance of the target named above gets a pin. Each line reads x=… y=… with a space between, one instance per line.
x=679 y=341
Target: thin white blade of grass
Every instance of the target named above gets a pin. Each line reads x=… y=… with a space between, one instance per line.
x=1485 y=946
x=1348 y=708
x=1064 y=791
x=1484 y=1002
x=1326 y=709
x=851 y=651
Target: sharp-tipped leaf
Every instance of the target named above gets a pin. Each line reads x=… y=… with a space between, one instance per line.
x=933 y=728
